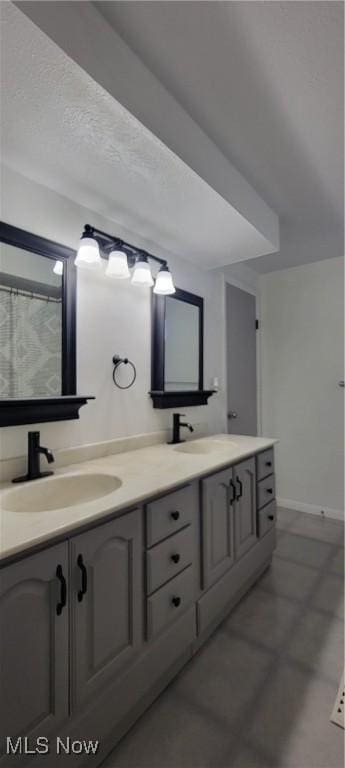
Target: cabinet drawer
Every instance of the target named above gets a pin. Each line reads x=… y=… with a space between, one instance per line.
x=267 y=518
x=169 y=601
x=265 y=464
x=168 y=514
x=167 y=559
x=266 y=491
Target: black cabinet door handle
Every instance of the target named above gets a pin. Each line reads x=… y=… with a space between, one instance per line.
x=233 y=492
x=240 y=491
x=230 y=486
x=176 y=601
x=82 y=566
x=63 y=590
x=175 y=515
x=268 y=464
x=269 y=490
x=270 y=517
x=176 y=558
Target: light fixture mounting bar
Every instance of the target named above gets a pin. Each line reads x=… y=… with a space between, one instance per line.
x=108 y=242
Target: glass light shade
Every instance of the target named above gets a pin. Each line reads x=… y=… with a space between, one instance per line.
x=88 y=254
x=142 y=272
x=164 y=282
x=58 y=267
x=117 y=265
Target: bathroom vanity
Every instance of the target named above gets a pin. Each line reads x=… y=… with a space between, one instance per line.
x=103 y=602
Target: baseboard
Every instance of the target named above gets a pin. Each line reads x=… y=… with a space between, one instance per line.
x=311 y=509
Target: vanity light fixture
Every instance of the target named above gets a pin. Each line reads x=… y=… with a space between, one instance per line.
x=117 y=265
x=164 y=283
x=58 y=267
x=95 y=245
x=142 y=272
x=88 y=255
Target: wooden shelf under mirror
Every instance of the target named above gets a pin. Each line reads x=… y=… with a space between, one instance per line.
x=176 y=399
x=36 y=410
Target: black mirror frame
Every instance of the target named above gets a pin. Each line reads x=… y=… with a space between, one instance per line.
x=172 y=399
x=14 y=411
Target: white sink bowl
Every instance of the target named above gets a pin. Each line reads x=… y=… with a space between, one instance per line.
x=58 y=492
x=199 y=447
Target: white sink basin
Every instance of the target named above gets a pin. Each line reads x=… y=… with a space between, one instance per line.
x=57 y=492
x=224 y=440
x=200 y=447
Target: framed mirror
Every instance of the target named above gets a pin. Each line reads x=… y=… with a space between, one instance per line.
x=178 y=350
x=37 y=329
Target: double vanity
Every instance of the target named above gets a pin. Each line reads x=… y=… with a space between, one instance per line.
x=114 y=572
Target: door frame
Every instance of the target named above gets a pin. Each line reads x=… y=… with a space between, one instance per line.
x=243 y=286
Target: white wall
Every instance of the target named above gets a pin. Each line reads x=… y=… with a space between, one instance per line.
x=302 y=360
x=112 y=317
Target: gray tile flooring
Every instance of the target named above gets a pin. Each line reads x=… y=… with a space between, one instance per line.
x=259 y=694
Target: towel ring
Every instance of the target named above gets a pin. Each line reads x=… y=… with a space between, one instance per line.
x=117 y=361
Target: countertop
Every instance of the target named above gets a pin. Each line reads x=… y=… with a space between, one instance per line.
x=144 y=473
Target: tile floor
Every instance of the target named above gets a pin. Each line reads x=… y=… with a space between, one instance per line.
x=260 y=692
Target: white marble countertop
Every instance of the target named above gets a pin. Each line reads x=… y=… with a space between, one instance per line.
x=144 y=473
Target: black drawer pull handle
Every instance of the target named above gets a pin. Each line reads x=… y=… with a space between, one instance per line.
x=270 y=517
x=82 y=567
x=63 y=590
x=176 y=601
x=175 y=515
x=268 y=464
x=176 y=558
x=269 y=490
x=240 y=491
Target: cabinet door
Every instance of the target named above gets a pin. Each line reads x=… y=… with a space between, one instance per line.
x=217 y=526
x=107 y=603
x=34 y=644
x=245 y=506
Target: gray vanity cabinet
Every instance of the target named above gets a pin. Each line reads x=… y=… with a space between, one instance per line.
x=245 y=506
x=34 y=644
x=217 y=526
x=107 y=566
x=94 y=627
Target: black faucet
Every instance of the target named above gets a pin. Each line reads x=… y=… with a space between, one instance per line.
x=177 y=424
x=34 y=450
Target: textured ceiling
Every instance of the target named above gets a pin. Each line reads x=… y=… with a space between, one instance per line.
x=63 y=130
x=265 y=81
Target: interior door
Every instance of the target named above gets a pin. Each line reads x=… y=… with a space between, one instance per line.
x=241 y=361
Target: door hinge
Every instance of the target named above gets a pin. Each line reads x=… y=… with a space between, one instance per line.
x=257 y=325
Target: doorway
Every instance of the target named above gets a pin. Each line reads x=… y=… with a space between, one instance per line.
x=241 y=361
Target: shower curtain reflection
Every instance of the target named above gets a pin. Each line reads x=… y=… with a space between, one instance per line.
x=30 y=344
